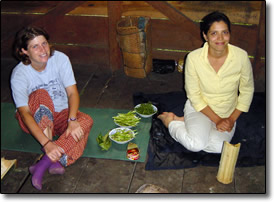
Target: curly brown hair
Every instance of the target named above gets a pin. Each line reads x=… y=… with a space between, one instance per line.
x=22 y=39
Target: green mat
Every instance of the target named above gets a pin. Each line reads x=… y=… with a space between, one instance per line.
x=13 y=138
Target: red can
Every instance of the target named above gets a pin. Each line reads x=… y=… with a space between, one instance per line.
x=133 y=152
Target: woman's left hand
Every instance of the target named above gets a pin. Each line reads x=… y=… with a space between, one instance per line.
x=74 y=129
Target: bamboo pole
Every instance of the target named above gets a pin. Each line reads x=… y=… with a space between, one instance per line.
x=228 y=162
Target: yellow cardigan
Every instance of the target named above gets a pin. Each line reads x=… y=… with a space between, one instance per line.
x=232 y=87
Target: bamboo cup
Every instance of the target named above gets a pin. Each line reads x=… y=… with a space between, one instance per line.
x=228 y=162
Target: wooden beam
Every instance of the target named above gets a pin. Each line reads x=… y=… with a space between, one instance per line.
x=53 y=15
x=114 y=15
x=59 y=11
x=64 y=7
x=176 y=17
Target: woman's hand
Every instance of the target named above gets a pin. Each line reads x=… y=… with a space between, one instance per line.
x=74 y=129
x=53 y=151
x=225 y=124
x=166 y=118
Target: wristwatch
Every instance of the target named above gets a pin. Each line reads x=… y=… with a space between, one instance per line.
x=72 y=119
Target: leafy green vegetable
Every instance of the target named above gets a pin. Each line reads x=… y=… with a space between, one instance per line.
x=127 y=119
x=104 y=141
x=145 y=109
x=123 y=135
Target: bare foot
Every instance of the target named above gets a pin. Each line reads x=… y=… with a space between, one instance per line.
x=166 y=118
x=177 y=118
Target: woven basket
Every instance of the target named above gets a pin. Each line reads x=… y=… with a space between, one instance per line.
x=135 y=44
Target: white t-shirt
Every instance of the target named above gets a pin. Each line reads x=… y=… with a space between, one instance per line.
x=57 y=75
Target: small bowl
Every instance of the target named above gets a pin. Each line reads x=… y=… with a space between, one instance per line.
x=113 y=131
x=146 y=115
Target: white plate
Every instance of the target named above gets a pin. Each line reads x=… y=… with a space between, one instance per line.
x=144 y=115
x=113 y=131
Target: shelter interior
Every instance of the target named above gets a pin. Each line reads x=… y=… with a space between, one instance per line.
x=86 y=32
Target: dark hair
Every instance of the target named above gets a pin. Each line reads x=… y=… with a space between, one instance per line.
x=22 y=39
x=209 y=19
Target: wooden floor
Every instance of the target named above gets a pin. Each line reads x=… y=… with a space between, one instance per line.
x=101 y=88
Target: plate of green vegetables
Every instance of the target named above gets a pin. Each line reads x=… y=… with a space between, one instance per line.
x=122 y=135
x=145 y=110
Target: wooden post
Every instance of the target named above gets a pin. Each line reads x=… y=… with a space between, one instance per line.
x=260 y=45
x=114 y=14
x=228 y=162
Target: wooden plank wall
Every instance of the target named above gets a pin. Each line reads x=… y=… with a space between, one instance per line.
x=87 y=35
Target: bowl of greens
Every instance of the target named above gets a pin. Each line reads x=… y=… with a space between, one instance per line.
x=122 y=135
x=126 y=120
x=145 y=110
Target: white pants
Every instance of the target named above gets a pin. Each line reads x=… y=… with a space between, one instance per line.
x=197 y=132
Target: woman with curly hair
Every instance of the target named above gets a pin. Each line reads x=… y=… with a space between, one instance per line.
x=46 y=97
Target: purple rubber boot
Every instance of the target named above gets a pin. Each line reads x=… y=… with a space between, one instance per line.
x=38 y=171
x=55 y=168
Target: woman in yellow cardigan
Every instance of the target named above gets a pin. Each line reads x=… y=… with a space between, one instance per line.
x=219 y=86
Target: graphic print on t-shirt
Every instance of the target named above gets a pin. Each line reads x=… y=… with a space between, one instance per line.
x=53 y=88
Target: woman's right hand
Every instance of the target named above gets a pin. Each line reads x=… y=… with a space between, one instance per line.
x=53 y=151
x=224 y=125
